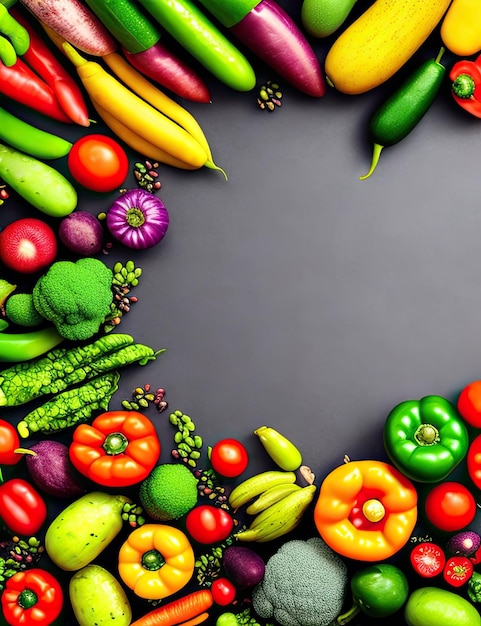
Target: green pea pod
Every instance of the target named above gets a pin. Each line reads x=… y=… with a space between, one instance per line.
x=41 y=185
x=186 y=23
x=405 y=108
x=282 y=451
x=15 y=40
x=31 y=140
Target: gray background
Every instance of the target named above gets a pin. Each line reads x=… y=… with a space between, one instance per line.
x=296 y=295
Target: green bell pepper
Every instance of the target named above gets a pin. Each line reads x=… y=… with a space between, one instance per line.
x=425 y=439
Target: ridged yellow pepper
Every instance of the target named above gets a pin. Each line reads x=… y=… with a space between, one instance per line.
x=156 y=560
x=366 y=510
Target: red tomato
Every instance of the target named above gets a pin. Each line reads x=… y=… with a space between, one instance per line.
x=223 y=591
x=229 y=458
x=458 y=570
x=98 y=163
x=9 y=441
x=427 y=559
x=450 y=506
x=208 y=524
x=469 y=403
x=28 y=245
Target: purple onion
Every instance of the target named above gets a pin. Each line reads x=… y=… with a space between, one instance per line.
x=465 y=543
x=138 y=219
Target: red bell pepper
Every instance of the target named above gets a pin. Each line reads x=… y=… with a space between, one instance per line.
x=466 y=85
x=32 y=597
x=9 y=442
x=22 y=508
x=21 y=84
x=40 y=58
x=473 y=461
x=119 y=448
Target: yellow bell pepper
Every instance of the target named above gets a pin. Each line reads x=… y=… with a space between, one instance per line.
x=461 y=27
x=156 y=560
x=366 y=510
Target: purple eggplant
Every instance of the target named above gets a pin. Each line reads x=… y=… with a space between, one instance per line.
x=140 y=42
x=265 y=28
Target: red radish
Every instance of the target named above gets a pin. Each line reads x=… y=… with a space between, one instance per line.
x=75 y=22
x=28 y=245
x=82 y=233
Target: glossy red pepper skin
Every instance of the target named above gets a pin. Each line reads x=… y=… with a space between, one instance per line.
x=32 y=597
x=467 y=74
x=9 y=442
x=22 y=508
x=473 y=461
x=21 y=84
x=40 y=58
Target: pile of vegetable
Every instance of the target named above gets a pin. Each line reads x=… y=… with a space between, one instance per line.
x=94 y=527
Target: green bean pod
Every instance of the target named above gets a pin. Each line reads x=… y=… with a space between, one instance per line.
x=19 y=347
x=31 y=140
x=15 y=40
x=192 y=29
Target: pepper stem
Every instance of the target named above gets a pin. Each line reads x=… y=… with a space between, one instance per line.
x=426 y=435
x=346 y=617
x=152 y=560
x=376 y=153
x=115 y=443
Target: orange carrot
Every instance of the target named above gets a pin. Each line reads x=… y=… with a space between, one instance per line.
x=179 y=612
x=197 y=620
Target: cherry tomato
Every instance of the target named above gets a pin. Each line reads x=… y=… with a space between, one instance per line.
x=9 y=441
x=208 y=524
x=229 y=458
x=427 y=559
x=450 y=506
x=98 y=163
x=458 y=570
x=223 y=591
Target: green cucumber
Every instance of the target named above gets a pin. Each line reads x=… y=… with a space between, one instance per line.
x=41 y=185
x=127 y=23
x=31 y=140
x=193 y=30
x=405 y=108
x=84 y=528
x=89 y=588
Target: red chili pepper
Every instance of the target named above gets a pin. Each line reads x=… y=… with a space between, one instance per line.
x=40 y=58
x=119 y=448
x=22 y=508
x=21 y=84
x=32 y=597
x=466 y=85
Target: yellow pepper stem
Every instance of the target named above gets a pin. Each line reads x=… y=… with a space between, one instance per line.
x=373 y=510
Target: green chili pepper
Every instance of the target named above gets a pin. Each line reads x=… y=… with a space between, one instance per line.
x=19 y=347
x=186 y=23
x=405 y=108
x=15 y=40
x=71 y=407
x=426 y=439
x=65 y=367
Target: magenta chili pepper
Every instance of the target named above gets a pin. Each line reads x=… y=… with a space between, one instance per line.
x=268 y=31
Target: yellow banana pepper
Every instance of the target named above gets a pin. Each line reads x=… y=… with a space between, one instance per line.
x=366 y=510
x=156 y=561
x=461 y=27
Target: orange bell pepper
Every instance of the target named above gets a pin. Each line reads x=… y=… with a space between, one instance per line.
x=118 y=449
x=156 y=561
x=366 y=510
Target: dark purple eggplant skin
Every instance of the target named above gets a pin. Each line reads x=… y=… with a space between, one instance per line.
x=163 y=67
x=52 y=471
x=243 y=566
x=272 y=35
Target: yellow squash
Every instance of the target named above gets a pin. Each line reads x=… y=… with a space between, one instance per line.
x=461 y=27
x=379 y=42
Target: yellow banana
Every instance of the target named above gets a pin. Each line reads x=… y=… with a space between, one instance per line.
x=271 y=496
x=255 y=485
x=134 y=113
x=158 y=99
x=280 y=518
x=139 y=144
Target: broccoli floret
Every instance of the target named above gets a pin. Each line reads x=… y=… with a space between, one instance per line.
x=304 y=584
x=75 y=297
x=168 y=492
x=19 y=309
